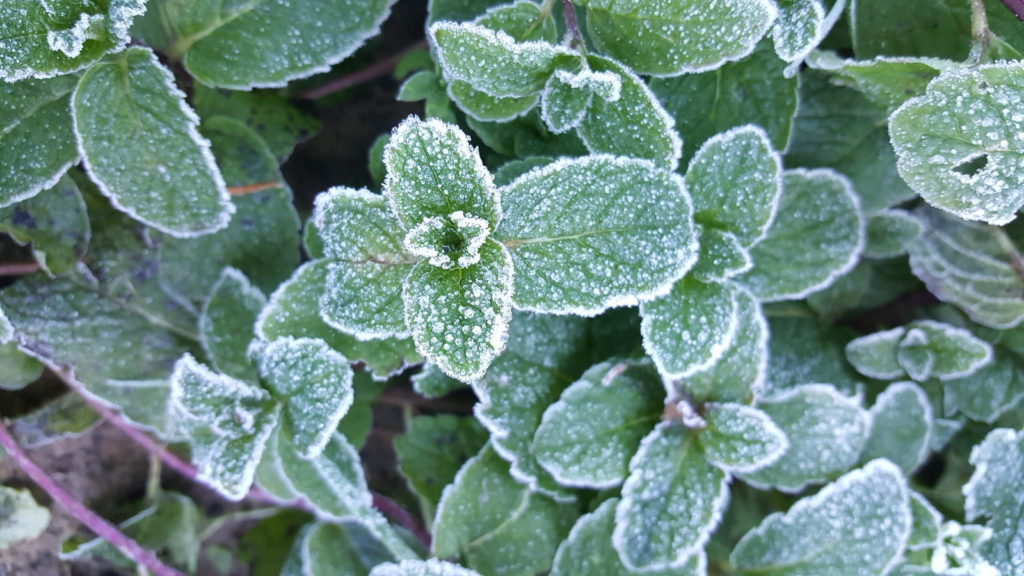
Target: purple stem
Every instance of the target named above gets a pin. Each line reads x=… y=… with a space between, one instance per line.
x=371 y=72
x=571 y=27
x=401 y=516
x=92 y=521
x=1015 y=6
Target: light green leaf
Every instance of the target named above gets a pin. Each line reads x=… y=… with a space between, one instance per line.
x=721 y=256
x=7 y=331
x=46 y=39
x=856 y=526
x=430 y=567
x=315 y=384
x=459 y=318
x=750 y=91
x=874 y=355
x=566 y=98
x=448 y=242
x=149 y=160
x=635 y=124
x=827 y=433
x=324 y=549
x=17 y=369
x=806 y=248
x=493 y=62
x=650 y=37
x=741 y=439
x=433 y=171
x=671 y=502
x=631 y=237
x=799 y=28
x=357 y=225
x=481 y=105
x=226 y=324
x=432 y=383
x=586 y=550
x=995 y=491
x=806 y=349
x=523 y=20
x=936 y=350
x=229 y=422
x=688 y=330
x=888 y=82
x=457 y=10
x=357 y=424
x=889 y=233
x=54 y=222
x=20 y=517
x=66 y=417
x=925 y=521
x=587 y=438
x=37 y=143
x=433 y=449
x=988 y=393
x=901 y=427
x=958 y=150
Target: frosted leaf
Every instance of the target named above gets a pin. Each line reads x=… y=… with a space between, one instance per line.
x=967 y=265
x=497 y=524
x=229 y=422
x=448 y=242
x=735 y=180
x=804 y=349
x=430 y=567
x=325 y=548
x=889 y=233
x=432 y=383
x=565 y=100
x=270 y=474
x=37 y=143
x=827 y=433
x=856 y=526
x=149 y=160
x=817 y=237
x=957 y=148
x=874 y=355
x=46 y=39
x=364 y=299
x=6 y=328
x=226 y=324
x=689 y=329
x=886 y=81
x=315 y=384
x=484 y=107
x=21 y=518
x=678 y=36
x=56 y=224
x=925 y=523
x=961 y=551
x=740 y=371
x=356 y=226
x=493 y=62
x=631 y=235
x=586 y=550
x=741 y=438
x=633 y=124
x=432 y=450
x=433 y=171
x=901 y=427
x=721 y=256
x=294 y=310
x=17 y=369
x=936 y=350
x=459 y=318
x=988 y=393
x=996 y=491
x=671 y=502
x=587 y=438
x=269 y=43
x=799 y=28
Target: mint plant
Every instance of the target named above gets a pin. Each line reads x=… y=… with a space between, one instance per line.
x=636 y=287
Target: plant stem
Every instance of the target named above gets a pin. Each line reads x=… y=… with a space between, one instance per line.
x=90 y=519
x=371 y=72
x=980 y=35
x=572 y=29
x=1015 y=6
x=250 y=188
x=19 y=269
x=401 y=516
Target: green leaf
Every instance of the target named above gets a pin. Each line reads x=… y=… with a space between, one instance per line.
x=827 y=433
x=357 y=225
x=432 y=383
x=994 y=492
x=800 y=27
x=888 y=82
x=173 y=183
x=497 y=524
x=805 y=349
x=419 y=86
x=430 y=567
x=7 y=331
x=889 y=233
x=54 y=222
x=433 y=449
x=459 y=318
x=493 y=62
x=323 y=548
x=433 y=171
x=741 y=439
x=988 y=393
x=784 y=269
x=17 y=369
x=936 y=350
x=526 y=136
x=671 y=502
x=228 y=421
x=567 y=96
x=20 y=517
x=358 y=422
x=750 y=91
x=586 y=550
x=315 y=384
x=37 y=143
x=722 y=257
x=587 y=438
x=523 y=20
x=43 y=40
x=226 y=324
x=635 y=124
x=482 y=106
x=956 y=148
x=66 y=417
x=688 y=330
x=874 y=355
x=272 y=42
x=925 y=521
x=458 y=10
x=631 y=237
x=857 y=526
x=294 y=310
x=649 y=38
x=901 y=423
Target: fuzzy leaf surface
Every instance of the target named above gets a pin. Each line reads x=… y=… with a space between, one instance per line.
x=901 y=424
x=995 y=492
x=798 y=29
x=889 y=233
x=741 y=438
x=226 y=324
x=937 y=350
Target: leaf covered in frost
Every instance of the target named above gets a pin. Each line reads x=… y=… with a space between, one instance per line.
x=324 y=548
x=21 y=518
x=227 y=323
x=996 y=491
x=741 y=438
x=432 y=567
x=798 y=29
x=901 y=424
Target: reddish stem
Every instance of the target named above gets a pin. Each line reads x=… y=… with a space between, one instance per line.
x=376 y=70
x=19 y=269
x=250 y=188
x=90 y=519
x=401 y=516
x=572 y=29
x=1015 y=6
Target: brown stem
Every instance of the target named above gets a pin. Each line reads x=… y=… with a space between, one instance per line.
x=90 y=519
x=376 y=70
x=572 y=29
x=19 y=269
x=250 y=188
x=401 y=516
